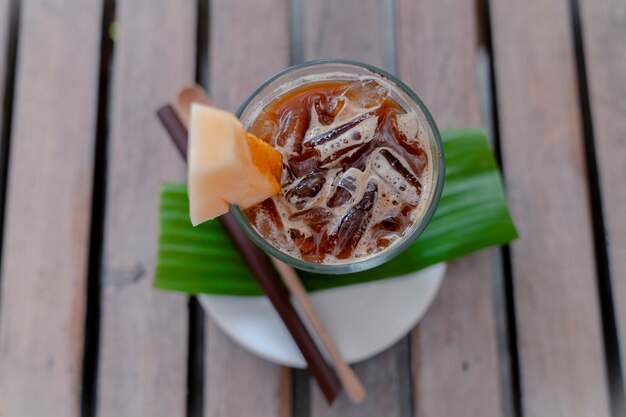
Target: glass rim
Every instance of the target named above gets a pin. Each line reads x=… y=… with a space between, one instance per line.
x=387 y=254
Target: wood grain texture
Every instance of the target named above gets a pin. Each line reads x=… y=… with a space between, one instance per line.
x=383 y=379
x=558 y=322
x=456 y=361
x=349 y=29
x=604 y=35
x=242 y=53
x=356 y=30
x=455 y=348
x=46 y=242
x=144 y=332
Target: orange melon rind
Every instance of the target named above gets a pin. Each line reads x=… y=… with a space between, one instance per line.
x=227 y=165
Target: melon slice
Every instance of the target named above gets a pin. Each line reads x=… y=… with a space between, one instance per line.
x=227 y=165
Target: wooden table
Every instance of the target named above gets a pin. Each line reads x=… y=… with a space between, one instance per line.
x=534 y=329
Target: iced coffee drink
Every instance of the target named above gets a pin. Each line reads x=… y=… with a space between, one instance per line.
x=357 y=167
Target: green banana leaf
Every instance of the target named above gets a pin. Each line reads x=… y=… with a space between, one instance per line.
x=472 y=215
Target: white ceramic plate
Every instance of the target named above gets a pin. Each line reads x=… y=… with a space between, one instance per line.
x=363 y=319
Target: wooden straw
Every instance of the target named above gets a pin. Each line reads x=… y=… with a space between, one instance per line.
x=351 y=383
x=265 y=275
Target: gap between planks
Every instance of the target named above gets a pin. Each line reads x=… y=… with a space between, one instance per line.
x=614 y=366
x=197 y=315
x=560 y=345
x=143 y=353
x=459 y=349
x=364 y=31
x=505 y=300
x=92 y=317
x=239 y=60
x=49 y=196
x=9 y=20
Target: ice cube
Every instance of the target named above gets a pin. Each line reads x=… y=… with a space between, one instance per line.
x=390 y=224
x=396 y=176
x=346 y=186
x=307 y=188
x=406 y=131
x=316 y=218
x=353 y=225
x=291 y=130
x=348 y=141
x=320 y=136
x=350 y=179
x=340 y=197
x=399 y=167
x=367 y=93
x=308 y=161
x=359 y=157
x=264 y=128
x=323 y=108
x=406 y=124
x=287 y=176
x=306 y=244
x=265 y=218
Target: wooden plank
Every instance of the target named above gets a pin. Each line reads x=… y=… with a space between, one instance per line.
x=456 y=362
x=456 y=344
x=384 y=377
x=237 y=383
x=556 y=301
x=357 y=30
x=143 y=348
x=351 y=29
x=46 y=242
x=604 y=31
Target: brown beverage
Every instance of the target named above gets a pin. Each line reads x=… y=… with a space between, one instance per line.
x=354 y=168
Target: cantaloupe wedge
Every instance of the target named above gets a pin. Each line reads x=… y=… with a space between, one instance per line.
x=227 y=165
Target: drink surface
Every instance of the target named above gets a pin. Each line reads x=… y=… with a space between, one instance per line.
x=354 y=169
